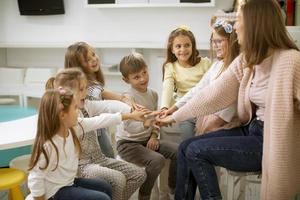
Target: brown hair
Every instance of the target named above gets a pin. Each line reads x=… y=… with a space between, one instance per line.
x=132 y=63
x=233 y=48
x=193 y=60
x=76 y=56
x=264 y=29
x=71 y=78
x=52 y=103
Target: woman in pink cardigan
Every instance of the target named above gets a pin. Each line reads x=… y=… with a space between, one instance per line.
x=265 y=81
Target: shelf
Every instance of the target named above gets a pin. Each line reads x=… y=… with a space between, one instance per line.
x=108 y=73
x=114 y=44
x=153 y=5
x=177 y=5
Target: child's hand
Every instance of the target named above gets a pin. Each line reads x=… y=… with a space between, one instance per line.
x=153 y=144
x=165 y=121
x=129 y=101
x=139 y=115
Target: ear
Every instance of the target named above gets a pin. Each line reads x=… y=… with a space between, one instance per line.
x=62 y=115
x=125 y=79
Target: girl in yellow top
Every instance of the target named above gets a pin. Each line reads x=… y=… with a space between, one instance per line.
x=182 y=70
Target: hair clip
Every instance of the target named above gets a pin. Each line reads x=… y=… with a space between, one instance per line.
x=183 y=27
x=226 y=26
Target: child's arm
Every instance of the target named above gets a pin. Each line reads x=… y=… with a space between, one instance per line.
x=168 y=87
x=108 y=95
x=36 y=177
x=118 y=112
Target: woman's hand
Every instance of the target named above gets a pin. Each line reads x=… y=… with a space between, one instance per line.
x=165 y=121
x=167 y=111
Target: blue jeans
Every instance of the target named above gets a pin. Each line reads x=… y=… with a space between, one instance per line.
x=87 y=189
x=238 y=149
x=104 y=142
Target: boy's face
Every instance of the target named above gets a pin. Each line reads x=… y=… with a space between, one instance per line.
x=138 y=80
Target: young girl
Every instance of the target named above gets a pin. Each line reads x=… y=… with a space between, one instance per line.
x=124 y=177
x=54 y=161
x=182 y=69
x=84 y=56
x=225 y=48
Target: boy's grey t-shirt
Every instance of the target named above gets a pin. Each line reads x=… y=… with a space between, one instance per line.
x=134 y=130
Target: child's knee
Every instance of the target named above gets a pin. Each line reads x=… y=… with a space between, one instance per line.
x=156 y=165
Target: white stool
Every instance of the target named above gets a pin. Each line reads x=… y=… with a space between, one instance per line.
x=234 y=178
x=22 y=163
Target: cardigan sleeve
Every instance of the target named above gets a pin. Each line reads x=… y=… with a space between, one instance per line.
x=168 y=86
x=215 y=97
x=208 y=76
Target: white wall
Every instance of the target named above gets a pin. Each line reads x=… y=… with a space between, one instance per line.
x=41 y=34
x=102 y=25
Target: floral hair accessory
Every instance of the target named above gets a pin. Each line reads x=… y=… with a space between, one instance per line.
x=227 y=27
x=183 y=27
x=62 y=92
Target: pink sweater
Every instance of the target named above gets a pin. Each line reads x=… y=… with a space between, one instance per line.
x=281 y=148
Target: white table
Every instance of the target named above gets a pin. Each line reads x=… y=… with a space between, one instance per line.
x=18 y=133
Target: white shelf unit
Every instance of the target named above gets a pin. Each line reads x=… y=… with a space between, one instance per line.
x=157 y=4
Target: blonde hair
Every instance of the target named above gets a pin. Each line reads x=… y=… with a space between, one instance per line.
x=76 y=56
x=52 y=104
x=233 y=49
x=70 y=78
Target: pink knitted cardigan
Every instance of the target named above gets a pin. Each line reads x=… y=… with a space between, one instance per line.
x=281 y=148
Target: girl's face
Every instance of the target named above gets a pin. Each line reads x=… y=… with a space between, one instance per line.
x=182 y=49
x=239 y=27
x=70 y=117
x=91 y=62
x=80 y=94
x=219 y=44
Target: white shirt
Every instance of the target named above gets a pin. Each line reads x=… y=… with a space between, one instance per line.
x=47 y=182
x=213 y=73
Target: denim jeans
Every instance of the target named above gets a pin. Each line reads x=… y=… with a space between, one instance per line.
x=104 y=142
x=83 y=188
x=237 y=149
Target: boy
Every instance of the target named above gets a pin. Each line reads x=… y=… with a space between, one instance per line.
x=136 y=142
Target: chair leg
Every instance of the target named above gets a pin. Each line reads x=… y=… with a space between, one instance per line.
x=25 y=101
x=230 y=187
x=16 y=194
x=21 y=101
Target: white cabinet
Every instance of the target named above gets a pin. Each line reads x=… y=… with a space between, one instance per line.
x=295 y=33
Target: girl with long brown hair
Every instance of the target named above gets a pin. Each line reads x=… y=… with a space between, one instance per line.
x=224 y=48
x=54 y=160
x=84 y=56
x=124 y=177
x=182 y=70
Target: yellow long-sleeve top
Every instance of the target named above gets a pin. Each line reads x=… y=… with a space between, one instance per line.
x=181 y=79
